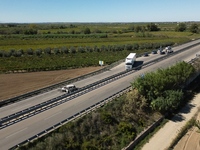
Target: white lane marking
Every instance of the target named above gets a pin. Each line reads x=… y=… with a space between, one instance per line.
x=16 y=132
x=53 y=115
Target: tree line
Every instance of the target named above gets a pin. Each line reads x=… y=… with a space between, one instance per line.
x=183 y=27
x=33 y=29
x=80 y=49
x=163 y=88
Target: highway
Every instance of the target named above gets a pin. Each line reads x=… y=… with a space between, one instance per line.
x=5 y=111
x=20 y=131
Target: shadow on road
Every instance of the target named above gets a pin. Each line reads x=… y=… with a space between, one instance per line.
x=179 y=117
x=137 y=64
x=187 y=108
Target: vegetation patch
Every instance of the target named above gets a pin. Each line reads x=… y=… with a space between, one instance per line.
x=118 y=123
x=40 y=47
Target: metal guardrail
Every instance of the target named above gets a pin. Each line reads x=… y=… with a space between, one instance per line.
x=54 y=86
x=75 y=116
x=46 y=89
x=99 y=104
x=19 y=116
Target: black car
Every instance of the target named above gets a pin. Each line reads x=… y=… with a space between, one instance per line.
x=162 y=52
x=154 y=52
x=145 y=54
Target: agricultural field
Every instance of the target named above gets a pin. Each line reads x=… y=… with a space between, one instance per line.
x=58 y=46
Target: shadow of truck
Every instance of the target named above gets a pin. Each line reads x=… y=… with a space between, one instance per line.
x=138 y=65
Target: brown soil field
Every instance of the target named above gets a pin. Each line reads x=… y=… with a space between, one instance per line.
x=15 y=84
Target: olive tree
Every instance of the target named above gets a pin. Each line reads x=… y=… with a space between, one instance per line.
x=181 y=27
x=87 y=31
x=194 y=28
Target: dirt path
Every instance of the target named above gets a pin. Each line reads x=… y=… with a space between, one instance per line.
x=190 y=141
x=19 y=83
x=164 y=137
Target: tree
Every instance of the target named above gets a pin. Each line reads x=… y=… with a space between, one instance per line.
x=38 y=52
x=56 y=51
x=47 y=50
x=17 y=54
x=128 y=47
x=169 y=101
x=131 y=28
x=72 y=50
x=87 y=31
x=64 y=50
x=181 y=27
x=152 y=27
x=30 y=51
x=137 y=29
x=81 y=50
x=194 y=28
x=2 y=53
x=97 y=31
x=153 y=84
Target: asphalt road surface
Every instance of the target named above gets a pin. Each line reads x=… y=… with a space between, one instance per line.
x=20 y=131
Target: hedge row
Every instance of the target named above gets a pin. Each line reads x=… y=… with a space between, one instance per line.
x=66 y=50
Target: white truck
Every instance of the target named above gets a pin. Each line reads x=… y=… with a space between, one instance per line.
x=129 y=61
x=168 y=49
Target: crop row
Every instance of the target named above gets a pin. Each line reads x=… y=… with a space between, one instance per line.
x=57 y=62
x=63 y=58
x=100 y=35
x=73 y=50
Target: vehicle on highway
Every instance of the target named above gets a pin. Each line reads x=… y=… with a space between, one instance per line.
x=154 y=52
x=69 y=88
x=145 y=54
x=162 y=52
x=198 y=55
x=129 y=61
x=168 y=49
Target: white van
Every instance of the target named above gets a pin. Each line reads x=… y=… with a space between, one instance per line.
x=69 y=88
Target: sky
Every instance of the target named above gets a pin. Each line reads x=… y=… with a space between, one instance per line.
x=39 y=11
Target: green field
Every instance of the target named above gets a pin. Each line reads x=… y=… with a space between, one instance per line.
x=113 y=39
x=59 y=40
